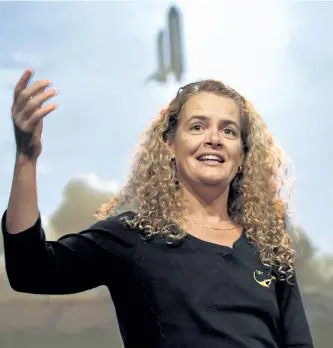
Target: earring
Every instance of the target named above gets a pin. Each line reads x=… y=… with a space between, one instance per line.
x=240 y=168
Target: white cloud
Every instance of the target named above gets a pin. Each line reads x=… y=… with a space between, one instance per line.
x=49 y=232
x=93 y=181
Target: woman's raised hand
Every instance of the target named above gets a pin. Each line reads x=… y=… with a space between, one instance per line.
x=28 y=114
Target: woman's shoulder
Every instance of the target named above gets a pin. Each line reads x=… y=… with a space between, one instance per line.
x=114 y=231
x=111 y=222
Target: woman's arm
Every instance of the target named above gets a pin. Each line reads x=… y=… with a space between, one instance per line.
x=295 y=331
x=72 y=264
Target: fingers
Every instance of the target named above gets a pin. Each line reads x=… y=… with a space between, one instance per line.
x=27 y=110
x=23 y=82
x=39 y=92
x=30 y=123
x=37 y=100
x=28 y=113
x=24 y=95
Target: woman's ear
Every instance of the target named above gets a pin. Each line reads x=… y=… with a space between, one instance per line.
x=170 y=147
x=241 y=162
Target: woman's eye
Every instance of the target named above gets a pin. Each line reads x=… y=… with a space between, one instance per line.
x=229 y=131
x=196 y=127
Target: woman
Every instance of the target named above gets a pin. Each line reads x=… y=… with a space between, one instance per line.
x=204 y=260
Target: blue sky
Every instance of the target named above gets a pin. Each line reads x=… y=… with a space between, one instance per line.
x=278 y=54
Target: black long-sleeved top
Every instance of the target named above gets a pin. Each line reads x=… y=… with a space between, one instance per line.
x=193 y=295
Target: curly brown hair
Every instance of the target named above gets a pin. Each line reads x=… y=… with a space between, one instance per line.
x=255 y=200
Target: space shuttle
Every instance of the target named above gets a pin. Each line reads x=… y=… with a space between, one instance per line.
x=170 y=53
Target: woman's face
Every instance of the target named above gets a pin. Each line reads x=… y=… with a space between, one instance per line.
x=207 y=145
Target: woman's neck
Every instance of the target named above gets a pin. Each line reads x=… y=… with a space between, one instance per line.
x=206 y=204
